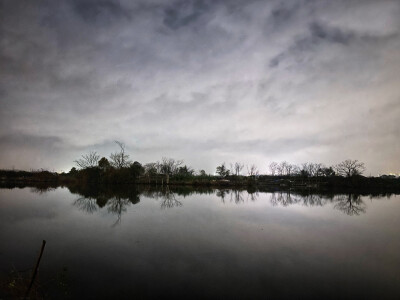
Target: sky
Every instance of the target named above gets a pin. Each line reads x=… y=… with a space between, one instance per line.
x=202 y=81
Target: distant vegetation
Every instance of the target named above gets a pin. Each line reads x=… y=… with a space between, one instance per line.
x=118 y=168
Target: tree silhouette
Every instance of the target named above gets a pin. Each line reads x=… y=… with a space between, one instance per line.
x=350 y=168
x=120 y=159
x=89 y=160
x=222 y=170
x=104 y=164
x=236 y=168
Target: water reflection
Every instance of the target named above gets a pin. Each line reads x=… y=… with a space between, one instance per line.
x=350 y=204
x=236 y=196
x=88 y=205
x=118 y=198
x=115 y=198
x=169 y=200
x=117 y=206
x=189 y=241
x=41 y=189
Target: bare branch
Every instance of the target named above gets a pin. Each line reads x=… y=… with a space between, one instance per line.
x=88 y=160
x=120 y=159
x=350 y=168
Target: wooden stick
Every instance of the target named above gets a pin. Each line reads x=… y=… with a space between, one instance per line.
x=35 y=270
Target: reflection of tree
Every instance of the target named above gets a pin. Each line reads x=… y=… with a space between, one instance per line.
x=283 y=198
x=237 y=196
x=167 y=196
x=252 y=195
x=313 y=200
x=115 y=198
x=118 y=198
x=350 y=204
x=42 y=189
x=222 y=194
x=117 y=205
x=169 y=200
x=286 y=198
x=88 y=205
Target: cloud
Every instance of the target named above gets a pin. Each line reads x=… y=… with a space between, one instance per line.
x=204 y=81
x=93 y=11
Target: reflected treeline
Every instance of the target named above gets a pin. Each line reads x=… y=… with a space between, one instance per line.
x=351 y=204
x=237 y=196
x=167 y=198
x=117 y=198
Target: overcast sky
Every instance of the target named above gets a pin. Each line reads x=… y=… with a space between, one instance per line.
x=203 y=81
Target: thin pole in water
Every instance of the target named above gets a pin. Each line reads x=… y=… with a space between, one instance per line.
x=35 y=270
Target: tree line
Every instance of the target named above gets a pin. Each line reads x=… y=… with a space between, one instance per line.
x=118 y=167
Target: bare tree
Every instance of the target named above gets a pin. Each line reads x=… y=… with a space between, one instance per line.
x=252 y=170
x=169 y=166
x=350 y=168
x=120 y=159
x=88 y=160
x=310 y=169
x=282 y=168
x=289 y=169
x=273 y=167
x=236 y=168
x=150 y=169
x=319 y=169
x=304 y=171
x=295 y=170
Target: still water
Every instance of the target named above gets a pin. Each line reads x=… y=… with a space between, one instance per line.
x=154 y=244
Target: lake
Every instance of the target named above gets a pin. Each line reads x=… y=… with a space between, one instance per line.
x=184 y=243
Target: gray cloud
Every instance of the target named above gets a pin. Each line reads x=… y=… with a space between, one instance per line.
x=204 y=81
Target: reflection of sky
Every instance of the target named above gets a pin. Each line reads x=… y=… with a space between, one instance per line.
x=203 y=81
x=252 y=248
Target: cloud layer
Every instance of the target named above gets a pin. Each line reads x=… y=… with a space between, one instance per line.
x=203 y=81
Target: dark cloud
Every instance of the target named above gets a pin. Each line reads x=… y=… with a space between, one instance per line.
x=26 y=141
x=100 y=11
x=284 y=12
x=204 y=81
x=332 y=35
x=183 y=13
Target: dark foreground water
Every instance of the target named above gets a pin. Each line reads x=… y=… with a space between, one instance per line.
x=213 y=244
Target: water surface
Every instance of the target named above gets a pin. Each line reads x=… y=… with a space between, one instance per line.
x=204 y=244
